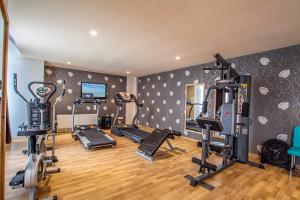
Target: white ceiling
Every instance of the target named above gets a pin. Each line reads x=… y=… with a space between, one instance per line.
x=144 y=36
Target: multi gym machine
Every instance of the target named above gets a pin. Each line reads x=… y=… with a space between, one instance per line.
x=37 y=162
x=232 y=124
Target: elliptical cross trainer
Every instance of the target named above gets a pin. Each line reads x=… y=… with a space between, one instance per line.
x=37 y=161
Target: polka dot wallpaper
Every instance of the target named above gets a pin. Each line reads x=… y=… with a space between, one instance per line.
x=275 y=96
x=73 y=80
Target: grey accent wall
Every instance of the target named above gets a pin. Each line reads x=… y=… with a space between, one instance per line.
x=275 y=97
x=73 y=80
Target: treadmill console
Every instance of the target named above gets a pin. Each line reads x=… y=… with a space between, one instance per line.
x=93 y=101
x=124 y=97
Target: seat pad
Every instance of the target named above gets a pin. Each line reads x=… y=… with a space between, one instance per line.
x=294 y=151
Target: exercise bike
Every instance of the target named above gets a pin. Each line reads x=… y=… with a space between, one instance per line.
x=37 y=162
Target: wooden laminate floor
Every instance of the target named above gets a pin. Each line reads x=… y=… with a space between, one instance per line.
x=117 y=173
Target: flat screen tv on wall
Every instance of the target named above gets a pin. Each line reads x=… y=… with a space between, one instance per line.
x=93 y=90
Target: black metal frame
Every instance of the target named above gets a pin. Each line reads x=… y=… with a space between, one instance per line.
x=232 y=81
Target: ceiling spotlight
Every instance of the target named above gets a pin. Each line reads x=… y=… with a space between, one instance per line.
x=93 y=33
x=69 y=63
x=127 y=72
x=177 y=57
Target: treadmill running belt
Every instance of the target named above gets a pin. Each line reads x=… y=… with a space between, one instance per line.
x=135 y=134
x=96 y=137
x=154 y=141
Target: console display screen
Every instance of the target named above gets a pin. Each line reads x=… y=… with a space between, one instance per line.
x=93 y=90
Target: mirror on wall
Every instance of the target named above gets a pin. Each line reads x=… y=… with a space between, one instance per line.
x=194 y=98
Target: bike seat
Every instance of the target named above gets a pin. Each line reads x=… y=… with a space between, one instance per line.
x=29 y=133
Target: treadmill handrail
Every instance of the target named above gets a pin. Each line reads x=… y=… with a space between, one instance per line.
x=80 y=101
x=119 y=100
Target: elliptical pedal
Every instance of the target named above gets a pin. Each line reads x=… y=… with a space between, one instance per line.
x=18 y=180
x=52 y=159
x=48 y=148
x=25 y=151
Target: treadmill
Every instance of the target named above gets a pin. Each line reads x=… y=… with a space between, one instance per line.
x=191 y=123
x=130 y=131
x=149 y=142
x=91 y=136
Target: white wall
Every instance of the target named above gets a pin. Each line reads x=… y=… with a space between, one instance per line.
x=66 y=121
x=28 y=70
x=130 y=107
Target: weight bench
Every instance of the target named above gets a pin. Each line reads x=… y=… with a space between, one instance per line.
x=151 y=144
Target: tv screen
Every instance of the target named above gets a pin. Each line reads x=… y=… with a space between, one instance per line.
x=93 y=90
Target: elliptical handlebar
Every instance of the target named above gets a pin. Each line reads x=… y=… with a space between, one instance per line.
x=16 y=88
x=63 y=88
x=52 y=91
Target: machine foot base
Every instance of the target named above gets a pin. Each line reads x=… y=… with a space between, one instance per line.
x=194 y=183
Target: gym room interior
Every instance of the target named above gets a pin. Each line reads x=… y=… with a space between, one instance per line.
x=148 y=99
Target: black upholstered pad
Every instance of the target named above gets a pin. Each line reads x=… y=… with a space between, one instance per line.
x=96 y=137
x=29 y=133
x=152 y=143
x=214 y=124
x=134 y=134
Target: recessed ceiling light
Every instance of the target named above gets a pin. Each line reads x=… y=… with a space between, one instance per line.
x=93 y=33
x=177 y=57
x=127 y=72
x=69 y=63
